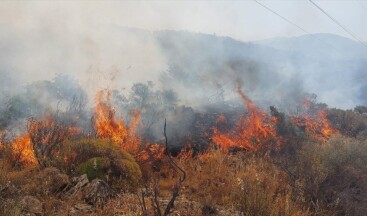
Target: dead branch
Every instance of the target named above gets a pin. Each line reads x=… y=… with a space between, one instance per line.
x=142 y=202
x=155 y=199
x=182 y=173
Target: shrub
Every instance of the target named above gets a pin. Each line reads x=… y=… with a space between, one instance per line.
x=309 y=170
x=266 y=190
x=94 y=167
x=76 y=152
x=332 y=176
x=128 y=174
x=346 y=185
x=102 y=159
x=349 y=123
x=252 y=184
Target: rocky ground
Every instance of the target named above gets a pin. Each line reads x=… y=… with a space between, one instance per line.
x=58 y=194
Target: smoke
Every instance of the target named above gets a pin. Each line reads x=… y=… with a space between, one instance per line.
x=40 y=40
x=54 y=52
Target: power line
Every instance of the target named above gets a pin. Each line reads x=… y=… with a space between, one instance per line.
x=294 y=24
x=338 y=23
x=287 y=20
x=362 y=5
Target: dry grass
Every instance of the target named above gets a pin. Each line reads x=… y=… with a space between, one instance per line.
x=225 y=184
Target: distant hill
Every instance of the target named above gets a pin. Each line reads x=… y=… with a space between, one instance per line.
x=276 y=70
x=202 y=68
x=329 y=46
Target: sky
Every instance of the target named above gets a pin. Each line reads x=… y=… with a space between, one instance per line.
x=242 y=20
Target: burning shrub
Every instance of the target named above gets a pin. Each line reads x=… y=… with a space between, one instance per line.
x=253 y=132
x=107 y=126
x=22 y=151
x=46 y=137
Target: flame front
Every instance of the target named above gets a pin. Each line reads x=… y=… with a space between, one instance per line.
x=106 y=125
x=109 y=127
x=315 y=123
x=23 y=150
x=253 y=132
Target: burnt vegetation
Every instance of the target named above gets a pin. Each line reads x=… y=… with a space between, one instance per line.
x=58 y=156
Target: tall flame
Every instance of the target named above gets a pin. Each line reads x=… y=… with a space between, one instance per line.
x=106 y=125
x=109 y=127
x=23 y=150
x=253 y=132
x=315 y=123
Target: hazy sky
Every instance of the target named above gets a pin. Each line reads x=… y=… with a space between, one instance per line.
x=39 y=39
x=243 y=20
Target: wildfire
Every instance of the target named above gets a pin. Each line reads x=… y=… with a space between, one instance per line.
x=151 y=152
x=23 y=150
x=314 y=123
x=253 y=132
x=108 y=127
x=186 y=153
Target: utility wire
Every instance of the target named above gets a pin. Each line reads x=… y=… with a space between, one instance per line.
x=294 y=24
x=362 y=6
x=338 y=23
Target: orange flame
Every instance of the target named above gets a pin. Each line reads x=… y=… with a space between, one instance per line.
x=151 y=152
x=108 y=127
x=316 y=125
x=186 y=153
x=253 y=132
x=23 y=150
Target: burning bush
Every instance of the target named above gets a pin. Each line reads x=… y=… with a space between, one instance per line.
x=22 y=151
x=253 y=132
x=108 y=127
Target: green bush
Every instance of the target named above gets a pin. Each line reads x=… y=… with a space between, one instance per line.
x=94 y=167
x=128 y=174
x=81 y=150
x=99 y=158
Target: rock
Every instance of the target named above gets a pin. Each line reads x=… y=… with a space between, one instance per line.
x=31 y=206
x=94 y=193
x=79 y=183
x=97 y=192
x=81 y=208
x=82 y=181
